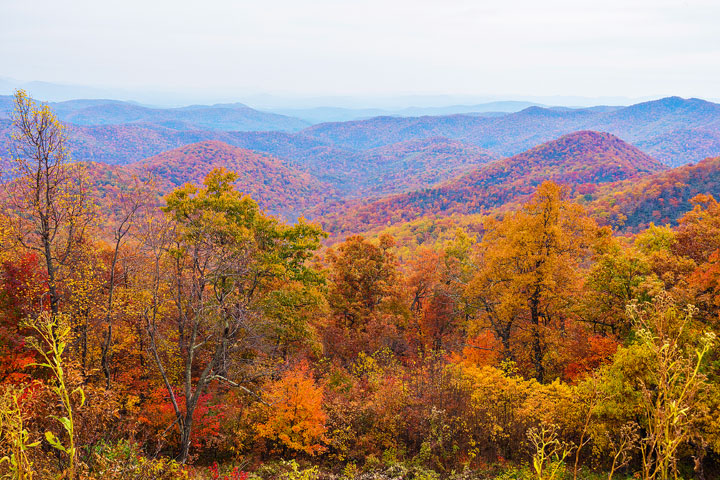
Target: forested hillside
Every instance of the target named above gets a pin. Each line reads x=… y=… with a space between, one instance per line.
x=282 y=188
x=581 y=161
x=157 y=323
x=661 y=198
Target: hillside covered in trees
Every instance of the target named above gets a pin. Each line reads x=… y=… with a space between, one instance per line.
x=581 y=160
x=156 y=322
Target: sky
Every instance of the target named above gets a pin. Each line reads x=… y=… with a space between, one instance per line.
x=494 y=49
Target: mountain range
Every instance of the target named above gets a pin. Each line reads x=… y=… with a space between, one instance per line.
x=657 y=126
x=340 y=114
x=619 y=184
x=629 y=165
x=224 y=117
x=676 y=131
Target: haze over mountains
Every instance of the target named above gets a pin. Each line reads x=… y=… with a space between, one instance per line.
x=230 y=117
x=340 y=114
x=676 y=131
x=365 y=174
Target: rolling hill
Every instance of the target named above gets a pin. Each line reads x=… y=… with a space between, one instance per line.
x=628 y=206
x=388 y=169
x=414 y=164
x=278 y=188
x=580 y=160
x=649 y=123
x=376 y=172
x=660 y=198
x=128 y=143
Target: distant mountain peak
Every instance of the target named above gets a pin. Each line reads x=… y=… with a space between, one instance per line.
x=587 y=146
x=676 y=103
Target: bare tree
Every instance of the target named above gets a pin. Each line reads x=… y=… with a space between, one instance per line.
x=129 y=204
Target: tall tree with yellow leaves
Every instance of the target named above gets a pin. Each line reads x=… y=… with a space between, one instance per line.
x=529 y=269
x=45 y=202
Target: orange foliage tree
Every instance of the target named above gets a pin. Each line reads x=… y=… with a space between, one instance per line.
x=530 y=271
x=294 y=412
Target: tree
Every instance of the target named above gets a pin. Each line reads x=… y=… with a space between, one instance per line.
x=529 y=269
x=295 y=417
x=227 y=259
x=130 y=203
x=363 y=276
x=698 y=234
x=45 y=202
x=618 y=276
x=364 y=297
x=435 y=283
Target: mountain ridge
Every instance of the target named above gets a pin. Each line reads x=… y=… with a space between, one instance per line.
x=516 y=132
x=580 y=160
x=687 y=132
x=278 y=188
x=220 y=117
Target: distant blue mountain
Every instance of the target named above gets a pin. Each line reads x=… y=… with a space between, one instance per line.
x=337 y=114
x=225 y=117
x=649 y=124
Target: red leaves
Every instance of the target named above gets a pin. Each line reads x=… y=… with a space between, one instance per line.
x=588 y=355
x=235 y=474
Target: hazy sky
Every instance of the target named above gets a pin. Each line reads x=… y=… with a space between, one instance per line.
x=370 y=47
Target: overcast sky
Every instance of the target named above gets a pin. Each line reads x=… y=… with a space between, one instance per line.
x=631 y=48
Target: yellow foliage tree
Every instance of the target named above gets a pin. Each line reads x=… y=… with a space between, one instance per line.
x=529 y=271
x=46 y=202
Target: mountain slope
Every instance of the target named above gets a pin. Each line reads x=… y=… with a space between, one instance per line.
x=688 y=144
x=129 y=143
x=275 y=186
x=376 y=132
x=383 y=171
x=580 y=160
x=659 y=198
x=414 y=164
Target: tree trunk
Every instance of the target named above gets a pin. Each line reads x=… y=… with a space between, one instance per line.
x=536 y=340
x=52 y=289
x=105 y=353
x=185 y=438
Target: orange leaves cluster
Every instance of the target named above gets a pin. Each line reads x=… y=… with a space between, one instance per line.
x=294 y=412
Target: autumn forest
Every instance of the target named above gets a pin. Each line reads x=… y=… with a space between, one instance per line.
x=345 y=301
